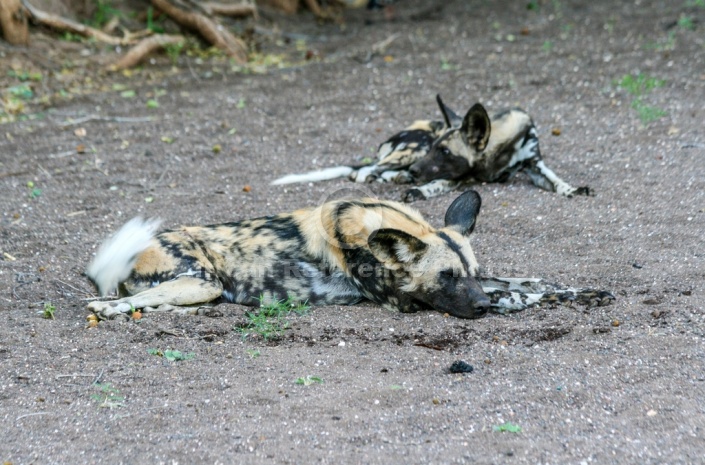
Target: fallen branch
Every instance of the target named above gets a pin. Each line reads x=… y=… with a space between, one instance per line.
x=64 y=24
x=143 y=49
x=211 y=30
x=235 y=10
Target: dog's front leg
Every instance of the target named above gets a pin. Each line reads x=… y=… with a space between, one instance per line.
x=542 y=176
x=432 y=189
x=185 y=290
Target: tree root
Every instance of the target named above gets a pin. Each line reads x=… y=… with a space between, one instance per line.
x=143 y=49
x=211 y=30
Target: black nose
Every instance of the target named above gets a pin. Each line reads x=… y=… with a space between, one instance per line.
x=481 y=307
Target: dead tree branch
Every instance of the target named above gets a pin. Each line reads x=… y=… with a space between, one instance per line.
x=143 y=49
x=211 y=30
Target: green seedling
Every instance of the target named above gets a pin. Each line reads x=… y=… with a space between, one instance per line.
x=309 y=380
x=49 y=310
x=173 y=51
x=171 y=355
x=109 y=397
x=103 y=13
x=34 y=191
x=253 y=353
x=686 y=22
x=269 y=321
x=507 y=427
x=639 y=86
x=151 y=25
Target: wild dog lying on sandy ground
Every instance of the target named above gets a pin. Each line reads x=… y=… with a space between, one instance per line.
x=336 y=254
x=441 y=155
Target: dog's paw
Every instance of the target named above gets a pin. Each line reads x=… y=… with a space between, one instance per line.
x=584 y=190
x=594 y=297
x=110 y=310
x=403 y=177
x=412 y=195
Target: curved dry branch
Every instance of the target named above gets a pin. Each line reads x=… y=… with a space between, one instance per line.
x=235 y=10
x=212 y=31
x=143 y=49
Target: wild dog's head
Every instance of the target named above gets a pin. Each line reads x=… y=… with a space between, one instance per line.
x=454 y=152
x=437 y=269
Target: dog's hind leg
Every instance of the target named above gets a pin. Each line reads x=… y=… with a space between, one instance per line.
x=185 y=290
x=431 y=189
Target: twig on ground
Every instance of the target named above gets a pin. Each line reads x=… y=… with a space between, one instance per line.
x=32 y=415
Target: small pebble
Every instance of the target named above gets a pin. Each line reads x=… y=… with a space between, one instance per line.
x=461 y=367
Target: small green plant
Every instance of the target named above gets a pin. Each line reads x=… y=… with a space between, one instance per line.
x=547 y=46
x=109 y=397
x=269 y=321
x=171 y=355
x=686 y=22
x=639 y=86
x=446 y=65
x=308 y=380
x=103 y=13
x=34 y=191
x=700 y=3
x=49 y=310
x=507 y=428
x=533 y=5
x=25 y=75
x=173 y=51
x=151 y=25
x=253 y=353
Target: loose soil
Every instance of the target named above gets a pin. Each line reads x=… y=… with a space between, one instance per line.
x=618 y=384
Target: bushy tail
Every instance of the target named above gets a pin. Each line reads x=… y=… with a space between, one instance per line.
x=315 y=176
x=114 y=261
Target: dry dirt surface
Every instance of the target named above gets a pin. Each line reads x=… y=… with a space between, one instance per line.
x=623 y=383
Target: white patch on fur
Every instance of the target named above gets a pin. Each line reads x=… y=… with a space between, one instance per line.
x=315 y=176
x=114 y=261
x=526 y=151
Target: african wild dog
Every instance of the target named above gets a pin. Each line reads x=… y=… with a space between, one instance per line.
x=336 y=254
x=445 y=154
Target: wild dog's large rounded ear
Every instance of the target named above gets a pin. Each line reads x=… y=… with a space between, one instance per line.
x=462 y=213
x=451 y=119
x=476 y=127
x=393 y=247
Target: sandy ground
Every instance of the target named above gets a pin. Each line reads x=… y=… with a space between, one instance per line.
x=618 y=384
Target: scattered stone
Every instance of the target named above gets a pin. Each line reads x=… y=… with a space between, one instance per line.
x=460 y=366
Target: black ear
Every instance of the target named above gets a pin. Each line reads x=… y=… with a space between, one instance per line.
x=476 y=127
x=451 y=119
x=463 y=211
x=393 y=247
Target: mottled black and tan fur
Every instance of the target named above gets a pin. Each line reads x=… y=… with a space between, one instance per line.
x=339 y=253
x=439 y=156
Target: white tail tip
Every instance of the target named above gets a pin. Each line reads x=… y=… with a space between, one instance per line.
x=315 y=176
x=117 y=255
